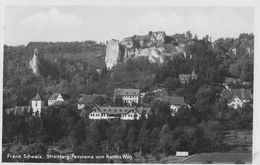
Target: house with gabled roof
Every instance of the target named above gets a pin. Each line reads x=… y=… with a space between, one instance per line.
x=185 y=78
x=58 y=99
x=128 y=95
x=91 y=100
x=122 y=113
x=236 y=98
x=175 y=102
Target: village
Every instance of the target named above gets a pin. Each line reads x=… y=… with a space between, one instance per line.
x=132 y=99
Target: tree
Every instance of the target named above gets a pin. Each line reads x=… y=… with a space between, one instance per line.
x=189 y=35
x=131 y=138
x=212 y=135
x=77 y=135
x=165 y=138
x=143 y=138
x=206 y=97
x=34 y=125
x=171 y=83
x=119 y=102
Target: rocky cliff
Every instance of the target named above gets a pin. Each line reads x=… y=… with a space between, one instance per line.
x=113 y=53
x=153 y=46
x=34 y=62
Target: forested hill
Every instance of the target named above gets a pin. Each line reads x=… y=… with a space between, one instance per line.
x=88 y=51
x=60 y=62
x=79 y=67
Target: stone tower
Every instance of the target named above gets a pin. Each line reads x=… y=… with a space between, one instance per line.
x=37 y=104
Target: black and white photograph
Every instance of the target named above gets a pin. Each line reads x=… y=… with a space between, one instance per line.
x=125 y=82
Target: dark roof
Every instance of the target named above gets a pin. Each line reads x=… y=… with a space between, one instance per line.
x=173 y=100
x=240 y=93
x=126 y=92
x=121 y=110
x=18 y=110
x=231 y=80
x=184 y=76
x=146 y=110
x=56 y=103
x=55 y=95
x=88 y=99
x=37 y=98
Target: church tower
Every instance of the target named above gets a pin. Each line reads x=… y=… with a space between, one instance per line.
x=37 y=104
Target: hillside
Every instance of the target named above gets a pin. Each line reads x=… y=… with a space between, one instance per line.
x=71 y=67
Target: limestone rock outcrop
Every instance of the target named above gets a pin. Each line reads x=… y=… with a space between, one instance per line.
x=151 y=46
x=155 y=55
x=34 y=62
x=113 y=53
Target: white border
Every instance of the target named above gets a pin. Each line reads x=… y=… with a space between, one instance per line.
x=175 y=3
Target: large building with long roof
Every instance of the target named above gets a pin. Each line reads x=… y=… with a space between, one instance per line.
x=123 y=113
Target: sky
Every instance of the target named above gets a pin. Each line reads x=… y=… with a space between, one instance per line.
x=23 y=24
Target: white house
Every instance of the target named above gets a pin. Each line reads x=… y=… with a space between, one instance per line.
x=57 y=98
x=128 y=95
x=236 y=102
x=123 y=113
x=37 y=104
x=236 y=98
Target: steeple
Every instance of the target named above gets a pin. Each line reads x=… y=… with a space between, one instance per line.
x=194 y=76
x=193 y=73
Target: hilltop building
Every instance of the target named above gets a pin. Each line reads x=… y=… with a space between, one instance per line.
x=185 y=78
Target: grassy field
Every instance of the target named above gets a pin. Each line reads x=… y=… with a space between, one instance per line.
x=217 y=157
x=238 y=141
x=238 y=144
